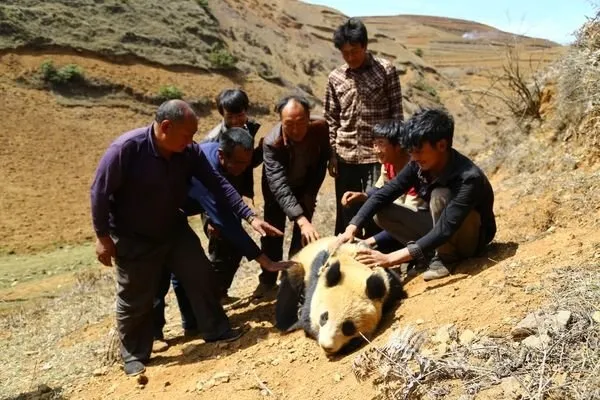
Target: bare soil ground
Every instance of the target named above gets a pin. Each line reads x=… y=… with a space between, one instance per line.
x=56 y=303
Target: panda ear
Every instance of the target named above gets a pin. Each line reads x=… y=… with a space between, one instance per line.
x=375 y=287
x=333 y=274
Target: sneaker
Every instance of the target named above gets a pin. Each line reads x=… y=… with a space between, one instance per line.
x=134 y=368
x=229 y=336
x=264 y=290
x=159 y=345
x=437 y=269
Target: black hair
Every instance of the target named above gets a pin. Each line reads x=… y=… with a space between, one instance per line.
x=234 y=101
x=173 y=110
x=428 y=125
x=294 y=97
x=391 y=130
x=233 y=137
x=353 y=31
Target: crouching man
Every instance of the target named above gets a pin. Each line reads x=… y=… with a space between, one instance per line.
x=460 y=221
x=393 y=158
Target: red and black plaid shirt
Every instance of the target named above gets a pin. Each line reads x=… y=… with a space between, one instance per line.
x=356 y=100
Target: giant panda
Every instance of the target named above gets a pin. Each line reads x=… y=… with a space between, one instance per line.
x=334 y=297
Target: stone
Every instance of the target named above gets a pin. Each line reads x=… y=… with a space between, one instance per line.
x=442 y=348
x=559 y=320
x=100 y=371
x=445 y=334
x=528 y=326
x=337 y=377
x=467 y=337
x=419 y=321
x=512 y=388
x=596 y=317
x=221 y=377
x=275 y=362
x=537 y=342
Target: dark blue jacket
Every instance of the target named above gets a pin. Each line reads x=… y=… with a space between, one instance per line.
x=221 y=216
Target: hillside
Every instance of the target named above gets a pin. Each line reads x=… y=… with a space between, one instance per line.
x=56 y=302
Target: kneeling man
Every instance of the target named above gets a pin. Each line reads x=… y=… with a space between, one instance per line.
x=460 y=221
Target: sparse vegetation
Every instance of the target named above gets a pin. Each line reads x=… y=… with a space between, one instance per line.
x=578 y=89
x=421 y=84
x=554 y=360
x=169 y=93
x=202 y=3
x=221 y=58
x=61 y=76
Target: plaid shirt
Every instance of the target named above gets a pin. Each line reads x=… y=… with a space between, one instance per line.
x=355 y=101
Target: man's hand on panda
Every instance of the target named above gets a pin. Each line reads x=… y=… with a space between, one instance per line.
x=273 y=266
x=373 y=258
x=307 y=230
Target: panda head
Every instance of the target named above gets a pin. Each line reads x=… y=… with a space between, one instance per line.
x=347 y=303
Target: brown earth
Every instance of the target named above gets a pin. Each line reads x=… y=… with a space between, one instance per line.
x=52 y=143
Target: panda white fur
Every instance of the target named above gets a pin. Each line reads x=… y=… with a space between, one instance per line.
x=334 y=298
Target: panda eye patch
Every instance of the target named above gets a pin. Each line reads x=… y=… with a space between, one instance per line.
x=324 y=318
x=348 y=328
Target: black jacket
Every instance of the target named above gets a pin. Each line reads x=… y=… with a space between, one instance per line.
x=278 y=163
x=470 y=190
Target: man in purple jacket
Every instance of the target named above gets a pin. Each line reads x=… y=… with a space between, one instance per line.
x=137 y=194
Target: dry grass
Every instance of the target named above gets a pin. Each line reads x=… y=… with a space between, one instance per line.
x=568 y=367
x=578 y=103
x=55 y=343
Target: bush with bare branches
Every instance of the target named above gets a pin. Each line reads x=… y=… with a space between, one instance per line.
x=564 y=365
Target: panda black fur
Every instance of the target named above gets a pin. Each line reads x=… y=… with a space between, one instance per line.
x=322 y=288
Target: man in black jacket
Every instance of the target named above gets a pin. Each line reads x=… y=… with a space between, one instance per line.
x=296 y=153
x=233 y=106
x=460 y=221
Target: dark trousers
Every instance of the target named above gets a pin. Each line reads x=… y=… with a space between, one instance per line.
x=141 y=266
x=354 y=178
x=224 y=257
x=272 y=246
x=188 y=319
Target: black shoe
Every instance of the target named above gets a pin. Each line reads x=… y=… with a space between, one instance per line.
x=191 y=332
x=134 y=368
x=229 y=336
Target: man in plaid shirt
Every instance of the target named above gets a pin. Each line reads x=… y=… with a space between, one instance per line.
x=360 y=94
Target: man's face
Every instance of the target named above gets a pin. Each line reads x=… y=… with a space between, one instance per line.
x=235 y=120
x=430 y=157
x=385 y=151
x=237 y=162
x=178 y=135
x=354 y=54
x=294 y=121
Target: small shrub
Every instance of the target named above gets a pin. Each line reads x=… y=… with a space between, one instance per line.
x=202 y=3
x=419 y=52
x=426 y=87
x=221 y=58
x=169 y=93
x=61 y=76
